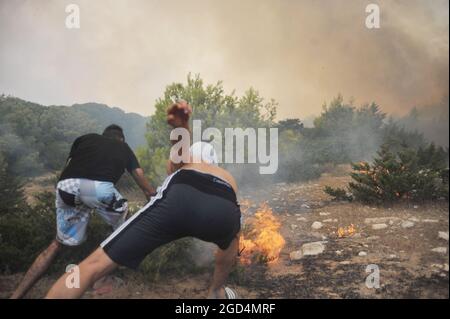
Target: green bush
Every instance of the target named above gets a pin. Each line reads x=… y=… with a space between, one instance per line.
x=408 y=174
x=25 y=233
x=171 y=259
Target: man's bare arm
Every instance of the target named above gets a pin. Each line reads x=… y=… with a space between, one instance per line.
x=141 y=180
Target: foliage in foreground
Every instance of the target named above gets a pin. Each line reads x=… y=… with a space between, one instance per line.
x=406 y=174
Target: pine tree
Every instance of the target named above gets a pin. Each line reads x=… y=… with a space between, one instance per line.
x=407 y=174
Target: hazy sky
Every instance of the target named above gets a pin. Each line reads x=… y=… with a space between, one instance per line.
x=301 y=53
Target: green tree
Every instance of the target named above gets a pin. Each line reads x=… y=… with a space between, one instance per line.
x=210 y=105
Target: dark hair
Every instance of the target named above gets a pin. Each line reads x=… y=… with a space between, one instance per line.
x=114 y=131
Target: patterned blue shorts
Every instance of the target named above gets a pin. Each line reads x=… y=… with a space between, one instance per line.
x=75 y=200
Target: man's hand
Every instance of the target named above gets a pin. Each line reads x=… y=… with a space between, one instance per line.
x=178 y=114
x=141 y=180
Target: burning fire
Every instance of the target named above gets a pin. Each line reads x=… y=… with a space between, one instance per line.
x=346 y=231
x=261 y=239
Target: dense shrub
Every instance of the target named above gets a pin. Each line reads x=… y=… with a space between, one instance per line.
x=25 y=233
x=407 y=174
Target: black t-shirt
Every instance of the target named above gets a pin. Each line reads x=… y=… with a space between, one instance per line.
x=99 y=158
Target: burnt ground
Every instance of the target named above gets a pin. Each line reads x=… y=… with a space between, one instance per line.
x=409 y=268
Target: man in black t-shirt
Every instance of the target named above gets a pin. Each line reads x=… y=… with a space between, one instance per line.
x=94 y=165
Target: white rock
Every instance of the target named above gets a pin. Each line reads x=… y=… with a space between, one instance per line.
x=440 y=250
x=324 y=214
x=293 y=226
x=296 y=255
x=380 y=220
x=407 y=224
x=443 y=235
x=308 y=249
x=329 y=220
x=446 y=267
x=430 y=220
x=373 y=237
x=301 y=219
x=392 y=256
x=316 y=225
x=362 y=254
x=414 y=219
x=379 y=226
x=305 y=206
x=312 y=249
x=338 y=252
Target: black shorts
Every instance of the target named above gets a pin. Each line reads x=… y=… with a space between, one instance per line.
x=188 y=204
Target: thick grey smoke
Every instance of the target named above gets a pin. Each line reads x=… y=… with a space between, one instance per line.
x=301 y=53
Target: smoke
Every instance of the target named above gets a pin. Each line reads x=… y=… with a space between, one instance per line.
x=432 y=121
x=302 y=53
x=202 y=253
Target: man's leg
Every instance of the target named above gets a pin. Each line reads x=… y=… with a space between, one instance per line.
x=94 y=267
x=225 y=260
x=37 y=269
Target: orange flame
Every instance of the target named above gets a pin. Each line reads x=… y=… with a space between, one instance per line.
x=262 y=240
x=346 y=231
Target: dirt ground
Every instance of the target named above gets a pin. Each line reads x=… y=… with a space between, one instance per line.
x=410 y=251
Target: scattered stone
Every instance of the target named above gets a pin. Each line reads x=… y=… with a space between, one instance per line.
x=308 y=249
x=293 y=226
x=414 y=219
x=437 y=266
x=379 y=226
x=373 y=237
x=443 y=235
x=380 y=220
x=345 y=262
x=296 y=255
x=392 y=256
x=329 y=220
x=440 y=250
x=316 y=225
x=362 y=254
x=446 y=267
x=324 y=214
x=407 y=224
x=338 y=252
x=305 y=206
x=430 y=220
x=301 y=219
x=415 y=206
